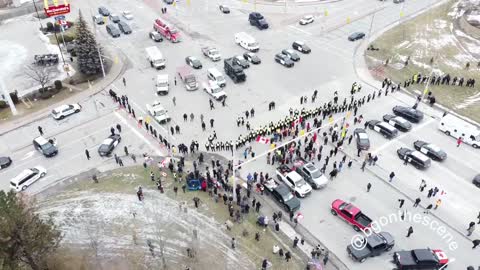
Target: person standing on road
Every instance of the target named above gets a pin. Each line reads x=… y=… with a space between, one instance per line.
x=410 y=231
x=124 y=82
x=437 y=204
x=402 y=201
x=234 y=242
x=120 y=162
x=427 y=210
x=174 y=99
x=295 y=242
x=87 y=154
x=475 y=243
x=211 y=122
x=392 y=175
x=459 y=141
x=417 y=201
x=478 y=218
x=325 y=259
x=369 y=186
x=257 y=206
x=112 y=131
x=192 y=116
x=119 y=128
x=126 y=150
x=40 y=130
x=363 y=165
x=471 y=228
x=175 y=80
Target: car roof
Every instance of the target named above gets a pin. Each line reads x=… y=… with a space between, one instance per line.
x=107 y=141
x=41 y=140
x=62 y=107
x=21 y=175
x=310 y=167
x=299 y=42
x=352 y=209
x=424 y=255
x=362 y=135
x=419 y=155
x=385 y=125
x=375 y=240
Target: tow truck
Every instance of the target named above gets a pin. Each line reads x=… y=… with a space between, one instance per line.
x=158 y=112
x=167 y=31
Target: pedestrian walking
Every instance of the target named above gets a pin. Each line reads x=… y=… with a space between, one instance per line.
x=475 y=243
x=410 y=231
x=124 y=82
x=40 y=130
x=126 y=150
x=174 y=99
x=363 y=165
x=87 y=154
x=134 y=158
x=427 y=210
x=119 y=128
x=350 y=164
x=288 y=256
x=325 y=259
x=257 y=206
x=295 y=242
x=191 y=117
x=402 y=201
x=437 y=204
x=234 y=243
x=392 y=175
x=478 y=218
x=211 y=122
x=459 y=141
x=369 y=186
x=417 y=202
x=120 y=162
x=116 y=158
x=112 y=131
x=471 y=228
x=175 y=80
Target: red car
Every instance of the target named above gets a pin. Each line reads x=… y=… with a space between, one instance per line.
x=350 y=214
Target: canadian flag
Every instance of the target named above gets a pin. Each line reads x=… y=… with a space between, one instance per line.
x=263 y=140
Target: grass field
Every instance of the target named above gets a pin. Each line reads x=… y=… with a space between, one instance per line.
x=431 y=35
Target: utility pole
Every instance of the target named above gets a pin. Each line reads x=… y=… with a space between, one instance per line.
x=38 y=15
x=98 y=45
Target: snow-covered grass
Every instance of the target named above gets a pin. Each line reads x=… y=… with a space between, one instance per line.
x=433 y=35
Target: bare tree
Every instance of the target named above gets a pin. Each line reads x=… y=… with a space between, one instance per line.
x=41 y=75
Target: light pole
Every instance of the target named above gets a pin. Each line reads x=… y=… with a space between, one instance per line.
x=38 y=15
x=98 y=45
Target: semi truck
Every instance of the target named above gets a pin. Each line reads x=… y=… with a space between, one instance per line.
x=235 y=72
x=166 y=30
x=188 y=78
x=155 y=57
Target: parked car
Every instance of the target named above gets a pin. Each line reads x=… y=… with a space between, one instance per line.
x=283 y=60
x=5 y=162
x=114 y=18
x=408 y=113
x=417 y=159
x=374 y=245
x=383 y=128
x=113 y=30
x=397 y=122
x=291 y=54
x=252 y=58
x=65 y=110
x=239 y=60
x=224 y=9
x=104 y=11
x=351 y=214
x=398 y=1
x=361 y=137
x=168 y=2
x=155 y=36
x=124 y=27
x=127 y=14
x=311 y=174
x=301 y=47
x=48 y=148
x=430 y=150
x=284 y=196
x=193 y=62
x=27 y=177
x=420 y=259
x=307 y=19
x=356 y=36
x=108 y=145
x=476 y=180
x=294 y=181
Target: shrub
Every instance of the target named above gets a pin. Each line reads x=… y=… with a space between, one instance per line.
x=50 y=27
x=58 y=84
x=14 y=97
x=3 y=104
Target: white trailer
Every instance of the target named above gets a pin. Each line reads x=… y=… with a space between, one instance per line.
x=246 y=41
x=456 y=127
x=155 y=57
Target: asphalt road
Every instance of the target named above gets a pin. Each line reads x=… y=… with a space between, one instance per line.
x=328 y=68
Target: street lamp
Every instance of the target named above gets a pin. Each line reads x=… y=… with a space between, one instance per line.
x=38 y=15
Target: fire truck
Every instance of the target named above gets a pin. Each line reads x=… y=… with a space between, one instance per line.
x=167 y=31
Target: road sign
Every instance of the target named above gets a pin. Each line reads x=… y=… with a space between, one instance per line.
x=58 y=18
x=55 y=8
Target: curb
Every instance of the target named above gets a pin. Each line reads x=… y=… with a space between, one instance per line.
x=291 y=4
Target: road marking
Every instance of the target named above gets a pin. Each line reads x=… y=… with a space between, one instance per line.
x=401 y=136
x=300 y=30
x=28 y=155
x=135 y=131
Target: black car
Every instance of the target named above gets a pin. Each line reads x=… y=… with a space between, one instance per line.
x=420 y=259
x=168 y=2
x=104 y=11
x=155 y=36
x=124 y=27
x=301 y=47
x=375 y=245
x=224 y=9
x=417 y=159
x=291 y=54
x=408 y=113
x=431 y=150
x=113 y=30
x=109 y=144
x=252 y=58
x=356 y=36
x=285 y=197
x=361 y=137
x=476 y=180
x=383 y=128
x=5 y=162
x=283 y=60
x=398 y=122
x=239 y=60
x=193 y=62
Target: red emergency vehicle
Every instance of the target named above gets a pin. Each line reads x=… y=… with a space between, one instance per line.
x=167 y=31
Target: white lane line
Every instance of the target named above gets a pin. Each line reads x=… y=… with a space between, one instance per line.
x=376 y=151
x=28 y=155
x=300 y=30
x=135 y=131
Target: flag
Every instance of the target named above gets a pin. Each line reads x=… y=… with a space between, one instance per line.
x=263 y=140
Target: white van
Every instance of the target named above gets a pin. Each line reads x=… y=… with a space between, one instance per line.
x=162 y=84
x=457 y=127
x=214 y=75
x=246 y=41
x=27 y=177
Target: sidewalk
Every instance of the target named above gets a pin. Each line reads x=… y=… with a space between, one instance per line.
x=114 y=73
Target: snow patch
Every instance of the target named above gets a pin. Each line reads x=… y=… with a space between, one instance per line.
x=403 y=44
x=12 y=55
x=469 y=101
x=440 y=24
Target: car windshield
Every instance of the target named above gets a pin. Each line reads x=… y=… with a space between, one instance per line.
x=363 y=141
x=316 y=174
x=434 y=148
x=300 y=183
x=159 y=112
x=288 y=196
x=47 y=146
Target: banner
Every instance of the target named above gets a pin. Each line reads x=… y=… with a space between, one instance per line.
x=56 y=8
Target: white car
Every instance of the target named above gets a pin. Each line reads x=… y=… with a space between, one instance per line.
x=27 y=177
x=214 y=90
x=66 y=110
x=127 y=14
x=307 y=19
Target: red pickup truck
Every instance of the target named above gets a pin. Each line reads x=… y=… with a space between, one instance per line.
x=350 y=214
